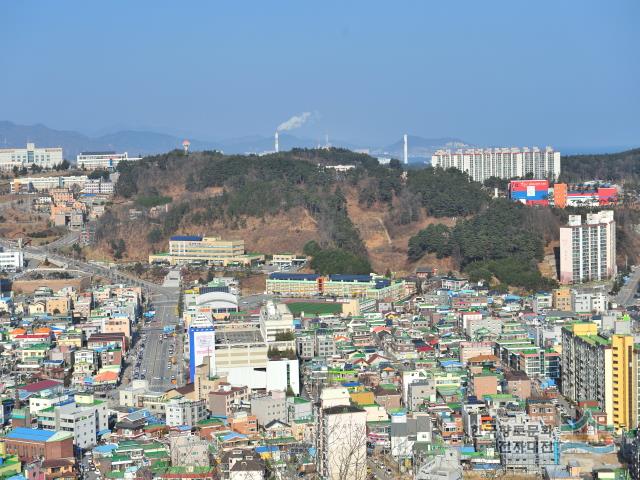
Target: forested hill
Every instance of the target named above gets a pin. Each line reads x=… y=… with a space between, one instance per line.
x=617 y=167
x=370 y=218
x=279 y=202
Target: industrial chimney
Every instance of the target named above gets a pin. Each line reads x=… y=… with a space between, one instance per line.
x=277 y=146
x=406 y=150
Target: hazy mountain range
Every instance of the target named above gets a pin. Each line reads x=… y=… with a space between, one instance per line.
x=146 y=143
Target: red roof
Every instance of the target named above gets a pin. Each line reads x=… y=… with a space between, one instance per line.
x=41 y=385
x=32 y=335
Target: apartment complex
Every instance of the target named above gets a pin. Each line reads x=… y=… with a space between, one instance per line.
x=507 y=163
x=211 y=250
x=588 y=250
x=601 y=369
x=31 y=155
x=344 y=286
x=102 y=160
x=587 y=366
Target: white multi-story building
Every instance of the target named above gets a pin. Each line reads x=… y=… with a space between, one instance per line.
x=182 y=411
x=507 y=163
x=102 y=160
x=43 y=184
x=342 y=443
x=588 y=250
x=31 y=155
x=11 y=260
x=85 y=418
x=275 y=319
x=98 y=187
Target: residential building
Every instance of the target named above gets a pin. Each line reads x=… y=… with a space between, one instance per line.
x=506 y=163
x=518 y=384
x=85 y=421
x=189 y=450
x=45 y=158
x=182 y=411
x=406 y=430
x=587 y=367
x=268 y=408
x=588 y=250
x=98 y=186
x=342 y=449
x=562 y=299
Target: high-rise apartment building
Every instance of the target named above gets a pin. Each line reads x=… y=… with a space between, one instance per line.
x=31 y=155
x=588 y=250
x=601 y=369
x=343 y=443
x=507 y=163
x=587 y=366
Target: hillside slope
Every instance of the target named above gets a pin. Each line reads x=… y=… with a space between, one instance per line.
x=276 y=203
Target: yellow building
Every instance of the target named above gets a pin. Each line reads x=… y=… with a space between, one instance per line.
x=364 y=397
x=601 y=368
x=58 y=305
x=212 y=250
x=562 y=299
x=118 y=324
x=624 y=384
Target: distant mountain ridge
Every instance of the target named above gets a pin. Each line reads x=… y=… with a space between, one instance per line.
x=147 y=143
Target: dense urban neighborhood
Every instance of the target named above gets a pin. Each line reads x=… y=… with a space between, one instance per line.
x=338 y=240
x=211 y=361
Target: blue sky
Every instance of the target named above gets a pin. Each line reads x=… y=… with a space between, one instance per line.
x=557 y=72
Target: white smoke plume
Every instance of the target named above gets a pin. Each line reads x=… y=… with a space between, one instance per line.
x=294 y=122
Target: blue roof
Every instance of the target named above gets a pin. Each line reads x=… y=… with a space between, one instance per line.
x=293 y=276
x=267 y=448
x=232 y=435
x=187 y=238
x=349 y=278
x=32 y=434
x=110 y=447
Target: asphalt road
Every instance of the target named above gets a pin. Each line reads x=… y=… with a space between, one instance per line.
x=626 y=293
x=156 y=350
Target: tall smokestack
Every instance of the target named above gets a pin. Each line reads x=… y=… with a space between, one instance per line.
x=277 y=146
x=406 y=150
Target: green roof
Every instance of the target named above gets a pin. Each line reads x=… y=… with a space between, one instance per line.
x=595 y=340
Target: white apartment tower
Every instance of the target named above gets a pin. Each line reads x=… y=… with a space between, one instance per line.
x=343 y=443
x=588 y=250
x=507 y=163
